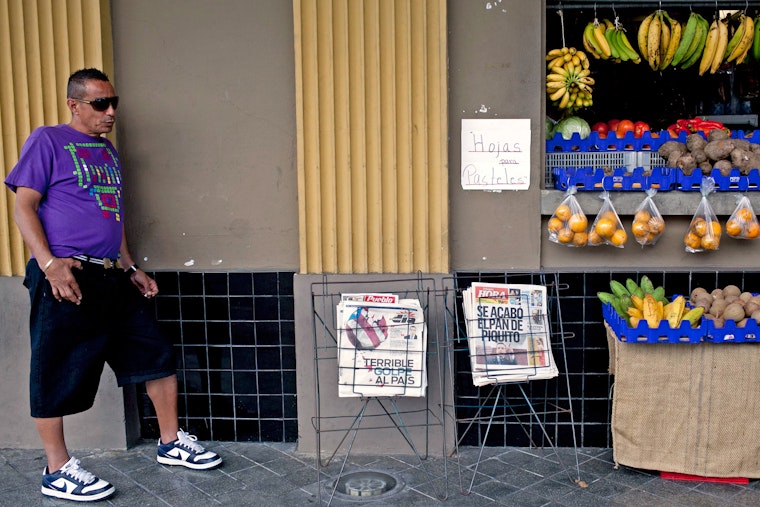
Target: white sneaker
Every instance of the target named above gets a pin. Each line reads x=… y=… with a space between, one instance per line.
x=186 y=452
x=74 y=483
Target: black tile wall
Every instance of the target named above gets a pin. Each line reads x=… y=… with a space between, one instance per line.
x=235 y=340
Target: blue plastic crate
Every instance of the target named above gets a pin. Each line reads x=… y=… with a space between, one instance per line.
x=731 y=333
x=644 y=334
x=734 y=182
x=621 y=179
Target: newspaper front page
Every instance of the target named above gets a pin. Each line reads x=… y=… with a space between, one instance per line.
x=382 y=346
x=508 y=333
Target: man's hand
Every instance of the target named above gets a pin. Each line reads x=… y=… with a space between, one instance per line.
x=62 y=282
x=145 y=284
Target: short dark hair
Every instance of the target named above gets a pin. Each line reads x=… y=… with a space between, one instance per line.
x=78 y=81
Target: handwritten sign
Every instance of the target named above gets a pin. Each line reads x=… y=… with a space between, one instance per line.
x=495 y=154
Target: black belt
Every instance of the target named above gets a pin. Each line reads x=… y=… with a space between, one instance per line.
x=104 y=262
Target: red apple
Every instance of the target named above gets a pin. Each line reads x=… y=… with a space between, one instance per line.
x=601 y=129
x=639 y=128
x=612 y=124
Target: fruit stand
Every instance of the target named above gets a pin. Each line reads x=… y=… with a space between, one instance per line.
x=651 y=115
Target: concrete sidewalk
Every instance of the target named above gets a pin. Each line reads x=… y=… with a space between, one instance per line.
x=274 y=474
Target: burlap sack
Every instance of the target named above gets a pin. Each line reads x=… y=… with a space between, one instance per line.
x=686 y=408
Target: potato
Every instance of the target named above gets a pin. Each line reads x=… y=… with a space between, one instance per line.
x=719 y=150
x=695 y=142
x=717 y=135
x=724 y=166
x=733 y=311
x=731 y=290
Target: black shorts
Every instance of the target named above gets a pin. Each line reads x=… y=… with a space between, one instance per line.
x=114 y=324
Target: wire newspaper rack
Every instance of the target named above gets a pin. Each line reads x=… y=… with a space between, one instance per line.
x=510 y=391
x=387 y=364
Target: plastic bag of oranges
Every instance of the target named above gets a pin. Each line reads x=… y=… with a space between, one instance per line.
x=607 y=228
x=648 y=223
x=704 y=229
x=568 y=225
x=743 y=224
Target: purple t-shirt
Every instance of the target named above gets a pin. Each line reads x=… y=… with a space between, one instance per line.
x=79 y=177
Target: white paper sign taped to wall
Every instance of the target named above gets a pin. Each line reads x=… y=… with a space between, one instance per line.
x=495 y=154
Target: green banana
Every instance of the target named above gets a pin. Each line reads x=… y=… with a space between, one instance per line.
x=606 y=297
x=609 y=34
x=631 y=285
x=618 y=288
x=756 y=41
x=698 y=44
x=688 y=36
x=659 y=294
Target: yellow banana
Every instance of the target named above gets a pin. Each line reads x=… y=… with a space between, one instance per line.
x=589 y=41
x=711 y=44
x=675 y=39
x=552 y=86
x=601 y=40
x=565 y=99
x=643 y=34
x=654 y=40
x=590 y=81
x=555 y=78
x=557 y=94
x=634 y=312
x=551 y=55
x=557 y=62
x=720 y=49
x=637 y=302
x=560 y=70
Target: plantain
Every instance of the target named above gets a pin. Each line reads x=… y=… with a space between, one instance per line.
x=745 y=42
x=711 y=46
x=618 y=288
x=694 y=53
x=675 y=39
x=653 y=41
x=646 y=284
x=637 y=302
x=625 y=45
x=735 y=38
x=720 y=49
x=650 y=311
x=674 y=310
x=589 y=40
x=687 y=36
x=642 y=36
x=756 y=41
x=611 y=35
x=664 y=36
x=635 y=312
x=693 y=316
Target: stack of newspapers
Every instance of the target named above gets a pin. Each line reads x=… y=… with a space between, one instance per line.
x=382 y=342
x=508 y=333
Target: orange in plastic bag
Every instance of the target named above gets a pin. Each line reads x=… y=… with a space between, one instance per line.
x=743 y=224
x=704 y=230
x=568 y=225
x=607 y=228
x=648 y=223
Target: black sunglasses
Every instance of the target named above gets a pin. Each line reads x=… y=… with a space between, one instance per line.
x=101 y=104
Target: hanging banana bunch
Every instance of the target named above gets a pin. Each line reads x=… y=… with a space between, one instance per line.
x=606 y=40
x=568 y=80
x=659 y=37
x=741 y=41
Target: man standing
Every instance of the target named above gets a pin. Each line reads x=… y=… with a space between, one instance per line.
x=89 y=299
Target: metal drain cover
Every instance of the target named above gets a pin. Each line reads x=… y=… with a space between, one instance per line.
x=367 y=484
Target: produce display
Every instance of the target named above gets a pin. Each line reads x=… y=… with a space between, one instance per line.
x=641 y=312
x=636 y=302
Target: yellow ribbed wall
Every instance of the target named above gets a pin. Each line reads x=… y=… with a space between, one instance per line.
x=372 y=135
x=41 y=43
